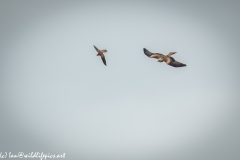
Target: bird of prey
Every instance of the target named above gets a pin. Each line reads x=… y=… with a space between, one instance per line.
x=168 y=59
x=100 y=53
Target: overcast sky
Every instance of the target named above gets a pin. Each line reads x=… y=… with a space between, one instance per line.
x=57 y=96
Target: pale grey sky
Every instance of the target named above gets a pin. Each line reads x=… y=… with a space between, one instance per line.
x=58 y=97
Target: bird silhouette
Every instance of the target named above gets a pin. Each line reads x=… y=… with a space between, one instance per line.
x=100 y=53
x=164 y=58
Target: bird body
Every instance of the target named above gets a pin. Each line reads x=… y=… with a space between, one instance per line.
x=162 y=58
x=100 y=53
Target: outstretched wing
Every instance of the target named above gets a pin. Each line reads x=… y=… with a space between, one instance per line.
x=171 y=53
x=103 y=59
x=147 y=52
x=96 y=48
x=152 y=55
x=175 y=63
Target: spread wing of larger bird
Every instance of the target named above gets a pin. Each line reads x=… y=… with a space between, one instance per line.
x=152 y=55
x=100 y=53
x=175 y=63
x=147 y=52
x=168 y=59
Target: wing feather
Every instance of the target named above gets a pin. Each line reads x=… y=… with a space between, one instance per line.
x=103 y=59
x=175 y=63
x=147 y=52
x=96 y=48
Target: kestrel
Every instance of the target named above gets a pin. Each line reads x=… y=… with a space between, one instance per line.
x=168 y=59
x=100 y=53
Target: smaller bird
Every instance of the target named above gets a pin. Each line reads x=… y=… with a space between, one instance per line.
x=168 y=59
x=100 y=53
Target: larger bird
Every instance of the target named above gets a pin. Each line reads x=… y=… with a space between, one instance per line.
x=168 y=59
x=100 y=53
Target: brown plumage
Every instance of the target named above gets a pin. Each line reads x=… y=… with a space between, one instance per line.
x=100 y=53
x=168 y=59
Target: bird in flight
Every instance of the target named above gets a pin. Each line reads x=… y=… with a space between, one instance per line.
x=100 y=53
x=168 y=59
